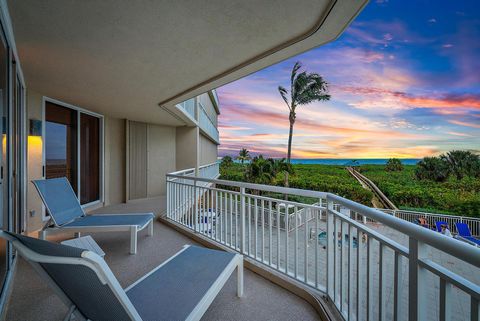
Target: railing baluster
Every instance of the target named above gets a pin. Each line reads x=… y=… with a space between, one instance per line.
x=315 y=239
x=231 y=220
x=445 y=297
x=270 y=251
x=305 y=245
x=474 y=309
x=278 y=236
x=359 y=259
x=397 y=286
x=330 y=248
x=242 y=219
x=249 y=226
x=295 y=250
x=350 y=271
x=255 y=226
x=369 y=305
x=381 y=283
x=286 y=238
x=263 y=231
x=416 y=279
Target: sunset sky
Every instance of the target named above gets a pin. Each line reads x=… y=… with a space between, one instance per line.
x=404 y=80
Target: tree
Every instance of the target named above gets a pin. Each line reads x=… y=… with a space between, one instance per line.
x=244 y=155
x=462 y=163
x=280 y=165
x=394 y=165
x=305 y=88
x=260 y=171
x=432 y=168
x=227 y=161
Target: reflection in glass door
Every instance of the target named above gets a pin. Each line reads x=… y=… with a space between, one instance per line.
x=61 y=143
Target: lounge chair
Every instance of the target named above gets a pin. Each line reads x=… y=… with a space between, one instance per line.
x=181 y=288
x=66 y=214
x=438 y=225
x=464 y=234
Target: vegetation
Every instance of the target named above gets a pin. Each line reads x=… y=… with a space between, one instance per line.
x=447 y=184
x=244 y=155
x=226 y=161
x=305 y=88
x=394 y=165
x=324 y=178
x=406 y=190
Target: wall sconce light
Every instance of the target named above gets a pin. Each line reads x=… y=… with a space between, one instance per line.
x=35 y=128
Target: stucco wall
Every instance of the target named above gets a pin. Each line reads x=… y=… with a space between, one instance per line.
x=34 y=164
x=208 y=151
x=186 y=140
x=161 y=157
x=115 y=160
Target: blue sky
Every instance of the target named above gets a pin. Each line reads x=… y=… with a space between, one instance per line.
x=404 y=79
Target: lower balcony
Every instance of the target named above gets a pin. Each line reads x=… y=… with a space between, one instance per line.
x=33 y=300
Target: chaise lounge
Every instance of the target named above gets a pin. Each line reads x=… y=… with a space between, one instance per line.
x=181 y=288
x=67 y=215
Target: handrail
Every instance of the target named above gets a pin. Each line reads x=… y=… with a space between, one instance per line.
x=437 y=240
x=258 y=227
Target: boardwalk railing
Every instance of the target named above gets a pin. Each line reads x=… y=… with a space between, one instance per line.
x=367 y=275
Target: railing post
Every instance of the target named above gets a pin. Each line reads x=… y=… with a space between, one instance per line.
x=195 y=206
x=242 y=220
x=417 y=276
x=331 y=242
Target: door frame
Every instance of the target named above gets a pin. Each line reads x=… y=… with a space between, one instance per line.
x=79 y=111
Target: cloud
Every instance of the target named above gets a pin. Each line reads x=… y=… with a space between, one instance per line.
x=432 y=20
x=464 y=123
x=447 y=45
x=459 y=134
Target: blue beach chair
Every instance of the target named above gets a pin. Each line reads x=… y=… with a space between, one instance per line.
x=66 y=214
x=438 y=225
x=465 y=234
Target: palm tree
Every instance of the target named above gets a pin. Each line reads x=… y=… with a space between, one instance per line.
x=432 y=168
x=260 y=171
x=462 y=163
x=305 y=88
x=244 y=155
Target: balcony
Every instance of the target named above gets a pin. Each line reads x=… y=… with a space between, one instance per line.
x=370 y=265
x=207 y=125
x=32 y=299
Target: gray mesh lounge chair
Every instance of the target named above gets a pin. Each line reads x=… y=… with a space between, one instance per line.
x=66 y=214
x=181 y=288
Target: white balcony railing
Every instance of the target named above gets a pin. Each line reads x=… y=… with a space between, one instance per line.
x=188 y=107
x=390 y=270
x=207 y=125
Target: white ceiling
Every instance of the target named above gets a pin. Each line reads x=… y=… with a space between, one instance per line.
x=124 y=58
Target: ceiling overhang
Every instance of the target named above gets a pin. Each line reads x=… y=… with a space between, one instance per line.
x=125 y=58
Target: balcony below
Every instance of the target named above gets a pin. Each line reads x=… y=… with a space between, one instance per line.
x=33 y=300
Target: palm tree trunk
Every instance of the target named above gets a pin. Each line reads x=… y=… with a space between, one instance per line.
x=290 y=134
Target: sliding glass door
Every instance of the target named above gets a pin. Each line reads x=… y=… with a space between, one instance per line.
x=73 y=149
x=4 y=159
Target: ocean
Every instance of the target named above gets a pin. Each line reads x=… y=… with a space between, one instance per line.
x=349 y=161
x=344 y=162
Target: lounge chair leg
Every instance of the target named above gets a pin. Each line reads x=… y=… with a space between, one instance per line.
x=133 y=240
x=77 y=235
x=42 y=235
x=240 y=278
x=150 y=228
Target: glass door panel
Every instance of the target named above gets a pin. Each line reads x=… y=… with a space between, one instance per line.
x=89 y=158
x=61 y=143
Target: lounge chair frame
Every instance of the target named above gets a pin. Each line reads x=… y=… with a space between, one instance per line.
x=106 y=277
x=51 y=227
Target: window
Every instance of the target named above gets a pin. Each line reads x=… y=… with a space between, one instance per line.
x=73 y=148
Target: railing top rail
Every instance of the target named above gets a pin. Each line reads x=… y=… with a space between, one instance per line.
x=267 y=188
x=177 y=173
x=462 y=250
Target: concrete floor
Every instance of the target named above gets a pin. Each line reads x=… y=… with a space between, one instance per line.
x=32 y=300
